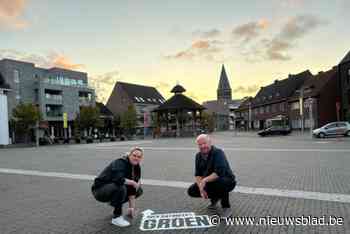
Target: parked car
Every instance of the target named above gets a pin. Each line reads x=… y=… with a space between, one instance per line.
x=275 y=130
x=333 y=129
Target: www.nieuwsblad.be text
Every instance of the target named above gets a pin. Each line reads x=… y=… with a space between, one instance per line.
x=278 y=221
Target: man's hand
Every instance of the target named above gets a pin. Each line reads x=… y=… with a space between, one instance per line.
x=201 y=189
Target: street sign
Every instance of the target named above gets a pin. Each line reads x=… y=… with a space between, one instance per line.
x=65 y=120
x=301 y=106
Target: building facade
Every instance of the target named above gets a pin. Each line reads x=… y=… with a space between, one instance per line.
x=272 y=101
x=344 y=88
x=314 y=103
x=55 y=91
x=143 y=98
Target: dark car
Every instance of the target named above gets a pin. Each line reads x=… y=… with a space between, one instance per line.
x=275 y=130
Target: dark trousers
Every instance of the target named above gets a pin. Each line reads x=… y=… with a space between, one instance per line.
x=116 y=195
x=216 y=190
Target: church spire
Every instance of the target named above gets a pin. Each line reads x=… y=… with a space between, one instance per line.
x=224 y=91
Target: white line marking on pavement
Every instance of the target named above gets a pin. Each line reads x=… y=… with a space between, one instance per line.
x=242 y=149
x=331 y=197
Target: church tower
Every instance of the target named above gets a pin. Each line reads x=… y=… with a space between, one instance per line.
x=224 y=92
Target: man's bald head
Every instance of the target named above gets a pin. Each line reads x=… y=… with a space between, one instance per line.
x=204 y=143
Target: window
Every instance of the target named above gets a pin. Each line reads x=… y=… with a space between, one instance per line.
x=16 y=76
x=282 y=106
x=273 y=108
x=277 y=94
x=80 y=82
x=333 y=125
x=18 y=97
x=295 y=106
x=342 y=125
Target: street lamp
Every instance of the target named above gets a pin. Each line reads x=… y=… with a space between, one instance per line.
x=301 y=108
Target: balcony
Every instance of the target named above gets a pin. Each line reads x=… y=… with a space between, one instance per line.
x=53 y=96
x=54 y=111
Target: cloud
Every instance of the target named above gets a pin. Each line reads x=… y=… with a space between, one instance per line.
x=251 y=30
x=207 y=34
x=104 y=83
x=10 y=13
x=297 y=27
x=294 y=29
x=199 y=49
x=51 y=59
x=278 y=47
x=59 y=60
x=246 y=90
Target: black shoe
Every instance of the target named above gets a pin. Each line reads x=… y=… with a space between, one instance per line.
x=226 y=212
x=213 y=204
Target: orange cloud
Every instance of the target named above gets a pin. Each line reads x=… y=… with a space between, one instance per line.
x=64 y=62
x=10 y=12
x=200 y=45
x=202 y=48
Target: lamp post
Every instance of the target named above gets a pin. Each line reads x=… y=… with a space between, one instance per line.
x=249 y=115
x=301 y=108
x=310 y=102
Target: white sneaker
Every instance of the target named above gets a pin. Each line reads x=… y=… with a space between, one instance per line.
x=120 y=222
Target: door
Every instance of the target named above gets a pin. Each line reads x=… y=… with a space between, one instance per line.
x=341 y=129
x=331 y=129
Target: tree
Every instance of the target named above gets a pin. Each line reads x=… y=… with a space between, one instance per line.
x=128 y=121
x=347 y=117
x=207 y=121
x=25 y=118
x=89 y=118
x=116 y=124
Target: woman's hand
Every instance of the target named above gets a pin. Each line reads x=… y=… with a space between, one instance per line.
x=131 y=212
x=136 y=185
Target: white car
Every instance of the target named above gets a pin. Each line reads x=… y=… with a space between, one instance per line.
x=333 y=129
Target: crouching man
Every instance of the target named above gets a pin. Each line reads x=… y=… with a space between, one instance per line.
x=213 y=175
x=119 y=183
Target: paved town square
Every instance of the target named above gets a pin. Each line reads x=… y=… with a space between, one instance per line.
x=47 y=189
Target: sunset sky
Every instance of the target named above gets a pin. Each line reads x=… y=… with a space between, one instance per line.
x=162 y=42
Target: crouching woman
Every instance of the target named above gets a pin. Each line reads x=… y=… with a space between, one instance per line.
x=119 y=183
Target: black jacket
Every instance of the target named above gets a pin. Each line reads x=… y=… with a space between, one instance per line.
x=116 y=172
x=216 y=162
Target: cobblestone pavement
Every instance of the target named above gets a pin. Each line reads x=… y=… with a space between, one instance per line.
x=38 y=204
